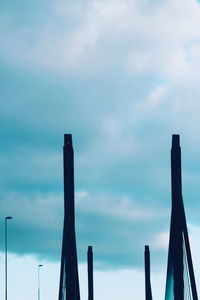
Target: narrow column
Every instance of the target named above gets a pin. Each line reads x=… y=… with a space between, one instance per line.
x=90 y=273
x=178 y=240
x=148 y=294
x=177 y=218
x=69 y=282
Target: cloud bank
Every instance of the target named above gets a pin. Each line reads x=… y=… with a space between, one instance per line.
x=121 y=76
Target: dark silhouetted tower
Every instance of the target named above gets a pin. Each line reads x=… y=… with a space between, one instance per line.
x=69 y=282
x=148 y=294
x=180 y=273
x=90 y=273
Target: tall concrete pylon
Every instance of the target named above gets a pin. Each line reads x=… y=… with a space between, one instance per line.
x=69 y=281
x=148 y=293
x=180 y=274
x=90 y=273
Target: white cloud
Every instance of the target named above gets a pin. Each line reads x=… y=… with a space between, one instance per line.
x=123 y=208
x=147 y=61
x=161 y=240
x=149 y=38
x=30 y=210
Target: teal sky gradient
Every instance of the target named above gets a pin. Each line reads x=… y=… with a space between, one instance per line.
x=122 y=76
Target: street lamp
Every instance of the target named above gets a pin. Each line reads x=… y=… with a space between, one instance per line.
x=39 y=281
x=6 y=248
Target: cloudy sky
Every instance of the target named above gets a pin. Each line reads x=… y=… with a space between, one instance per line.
x=122 y=76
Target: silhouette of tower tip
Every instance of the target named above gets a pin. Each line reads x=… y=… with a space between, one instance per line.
x=90 y=273
x=179 y=264
x=148 y=293
x=175 y=140
x=68 y=139
x=69 y=281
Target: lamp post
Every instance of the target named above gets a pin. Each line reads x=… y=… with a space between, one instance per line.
x=39 y=266
x=6 y=261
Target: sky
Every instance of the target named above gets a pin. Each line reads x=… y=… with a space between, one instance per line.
x=121 y=76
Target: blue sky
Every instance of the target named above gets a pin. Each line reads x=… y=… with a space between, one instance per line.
x=122 y=76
